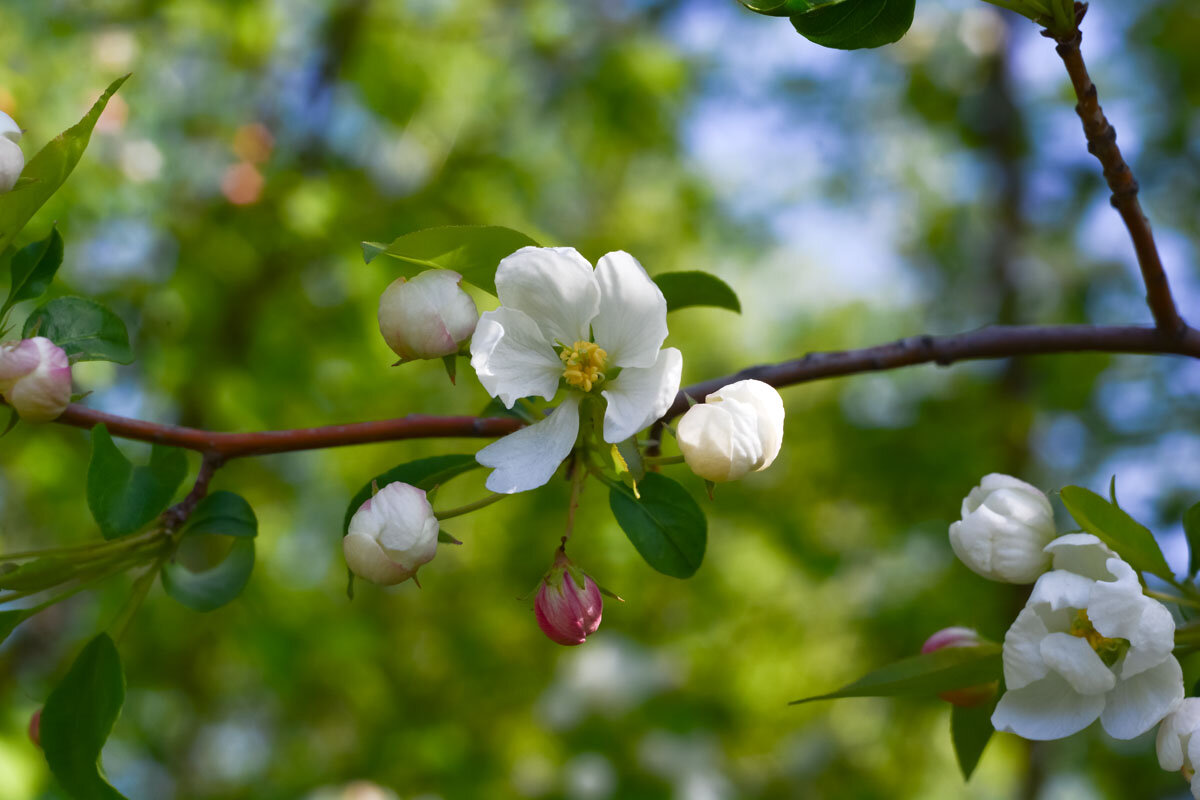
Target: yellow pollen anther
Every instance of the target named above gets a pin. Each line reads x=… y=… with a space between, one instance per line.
x=585 y=363
x=1109 y=650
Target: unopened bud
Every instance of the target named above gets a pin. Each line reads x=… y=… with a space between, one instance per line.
x=12 y=160
x=569 y=603
x=971 y=696
x=391 y=535
x=738 y=429
x=1005 y=527
x=429 y=316
x=35 y=378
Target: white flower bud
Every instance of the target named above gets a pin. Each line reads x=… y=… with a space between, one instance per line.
x=768 y=407
x=391 y=535
x=429 y=316
x=35 y=378
x=12 y=160
x=738 y=429
x=1178 y=742
x=1005 y=527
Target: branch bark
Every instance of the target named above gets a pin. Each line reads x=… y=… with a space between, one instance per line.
x=985 y=343
x=1102 y=143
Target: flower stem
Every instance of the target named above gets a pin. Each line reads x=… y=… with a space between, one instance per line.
x=659 y=461
x=84 y=549
x=469 y=507
x=141 y=588
x=1172 y=598
x=577 y=480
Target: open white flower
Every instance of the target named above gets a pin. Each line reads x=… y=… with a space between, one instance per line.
x=1088 y=645
x=601 y=331
x=1178 y=745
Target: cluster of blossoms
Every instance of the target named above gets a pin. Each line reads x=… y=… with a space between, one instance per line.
x=12 y=160
x=1089 y=643
x=589 y=340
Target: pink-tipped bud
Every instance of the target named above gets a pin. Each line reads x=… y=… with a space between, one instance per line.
x=35 y=378
x=971 y=696
x=429 y=316
x=569 y=602
x=35 y=728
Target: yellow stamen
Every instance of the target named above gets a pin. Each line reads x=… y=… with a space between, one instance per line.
x=585 y=363
x=1109 y=650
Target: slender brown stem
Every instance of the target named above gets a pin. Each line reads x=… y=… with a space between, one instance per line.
x=1102 y=143
x=1001 y=341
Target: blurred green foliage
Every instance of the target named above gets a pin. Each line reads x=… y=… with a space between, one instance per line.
x=931 y=186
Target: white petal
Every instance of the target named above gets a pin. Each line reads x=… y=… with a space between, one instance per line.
x=720 y=442
x=1175 y=738
x=1081 y=553
x=1023 y=662
x=1137 y=704
x=528 y=458
x=1061 y=590
x=512 y=359
x=1075 y=660
x=1047 y=709
x=768 y=406
x=1120 y=611
x=555 y=287
x=367 y=560
x=996 y=481
x=632 y=322
x=639 y=396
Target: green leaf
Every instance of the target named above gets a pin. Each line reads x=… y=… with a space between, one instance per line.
x=86 y=330
x=855 y=24
x=47 y=171
x=214 y=587
x=684 y=289
x=928 y=673
x=1129 y=538
x=223 y=514
x=473 y=251
x=78 y=717
x=666 y=525
x=122 y=497
x=9 y=620
x=970 y=731
x=1191 y=527
x=36 y=575
x=424 y=473
x=33 y=268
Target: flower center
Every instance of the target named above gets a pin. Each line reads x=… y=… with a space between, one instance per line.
x=584 y=364
x=1109 y=650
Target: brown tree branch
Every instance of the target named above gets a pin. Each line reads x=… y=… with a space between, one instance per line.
x=1102 y=143
x=985 y=343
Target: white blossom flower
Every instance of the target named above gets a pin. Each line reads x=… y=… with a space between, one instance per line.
x=1088 y=645
x=599 y=331
x=1005 y=527
x=391 y=535
x=12 y=160
x=736 y=430
x=1178 y=745
x=429 y=316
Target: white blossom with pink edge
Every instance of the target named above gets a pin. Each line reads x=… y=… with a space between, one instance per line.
x=35 y=378
x=429 y=316
x=391 y=535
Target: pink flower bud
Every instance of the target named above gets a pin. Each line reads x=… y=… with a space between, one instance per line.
x=569 y=602
x=429 y=316
x=961 y=637
x=35 y=378
x=391 y=535
x=35 y=728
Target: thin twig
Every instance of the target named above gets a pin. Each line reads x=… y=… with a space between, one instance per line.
x=1102 y=143
x=999 y=341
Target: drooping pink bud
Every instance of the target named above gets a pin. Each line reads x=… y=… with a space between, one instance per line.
x=569 y=603
x=971 y=696
x=35 y=728
x=35 y=378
